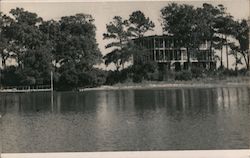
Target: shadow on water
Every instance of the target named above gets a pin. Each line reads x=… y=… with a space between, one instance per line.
x=153 y=119
x=173 y=100
x=177 y=100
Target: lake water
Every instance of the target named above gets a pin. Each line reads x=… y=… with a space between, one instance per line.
x=154 y=119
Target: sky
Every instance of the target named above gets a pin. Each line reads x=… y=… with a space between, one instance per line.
x=103 y=11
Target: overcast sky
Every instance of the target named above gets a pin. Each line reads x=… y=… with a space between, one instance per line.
x=103 y=12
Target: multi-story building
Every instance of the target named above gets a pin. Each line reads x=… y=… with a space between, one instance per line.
x=166 y=52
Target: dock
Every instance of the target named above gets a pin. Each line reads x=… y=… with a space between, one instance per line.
x=25 y=89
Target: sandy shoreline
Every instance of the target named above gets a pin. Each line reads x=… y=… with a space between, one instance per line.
x=169 y=85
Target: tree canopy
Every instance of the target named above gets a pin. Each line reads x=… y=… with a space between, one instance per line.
x=68 y=47
x=139 y=24
x=120 y=33
x=241 y=50
x=193 y=26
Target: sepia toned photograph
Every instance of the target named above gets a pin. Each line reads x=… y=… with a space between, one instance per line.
x=124 y=79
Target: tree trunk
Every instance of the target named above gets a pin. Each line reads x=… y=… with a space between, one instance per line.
x=117 y=67
x=0 y=78
x=221 y=58
x=236 y=64
x=227 y=52
x=248 y=60
x=3 y=63
x=188 y=59
x=211 y=52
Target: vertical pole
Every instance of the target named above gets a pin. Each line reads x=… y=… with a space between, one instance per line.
x=154 y=49
x=52 y=94
x=1 y=61
x=236 y=64
x=51 y=81
x=221 y=57
x=1 y=140
x=164 y=50
x=0 y=78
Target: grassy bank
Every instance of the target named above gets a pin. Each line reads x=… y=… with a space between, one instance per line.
x=204 y=82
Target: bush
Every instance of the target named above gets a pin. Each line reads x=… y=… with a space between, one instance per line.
x=145 y=71
x=183 y=75
x=137 y=78
x=136 y=73
x=153 y=76
x=243 y=72
x=97 y=77
x=10 y=77
x=197 y=72
x=114 y=77
x=230 y=72
x=169 y=75
x=222 y=73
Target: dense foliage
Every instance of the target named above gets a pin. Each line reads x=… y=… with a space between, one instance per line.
x=192 y=26
x=67 y=47
x=121 y=34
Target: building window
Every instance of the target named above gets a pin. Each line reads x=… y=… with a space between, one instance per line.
x=166 y=55
x=171 y=43
x=174 y=43
x=171 y=55
x=149 y=44
x=178 y=54
x=184 y=54
x=152 y=43
x=161 y=55
x=193 y=54
x=175 y=54
x=152 y=55
x=203 y=55
x=159 y=43
x=208 y=55
x=157 y=54
x=203 y=45
x=167 y=43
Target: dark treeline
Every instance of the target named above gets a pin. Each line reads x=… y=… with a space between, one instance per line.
x=69 y=49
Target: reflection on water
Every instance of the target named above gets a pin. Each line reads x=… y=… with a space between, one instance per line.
x=158 y=119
